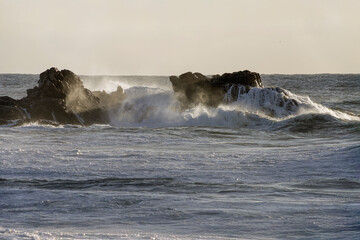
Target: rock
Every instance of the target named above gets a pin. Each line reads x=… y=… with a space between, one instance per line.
x=246 y=78
x=10 y=110
x=52 y=109
x=59 y=98
x=194 y=88
x=186 y=79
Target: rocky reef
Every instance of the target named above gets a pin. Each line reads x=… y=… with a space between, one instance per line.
x=59 y=98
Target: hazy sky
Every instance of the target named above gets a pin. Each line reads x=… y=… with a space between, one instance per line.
x=162 y=37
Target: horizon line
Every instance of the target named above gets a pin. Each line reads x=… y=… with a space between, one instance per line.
x=167 y=75
x=164 y=75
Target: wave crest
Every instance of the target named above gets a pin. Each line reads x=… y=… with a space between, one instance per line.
x=155 y=107
x=278 y=103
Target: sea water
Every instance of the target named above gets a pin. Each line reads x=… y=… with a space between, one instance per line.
x=157 y=172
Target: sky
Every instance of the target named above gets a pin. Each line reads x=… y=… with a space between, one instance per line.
x=164 y=37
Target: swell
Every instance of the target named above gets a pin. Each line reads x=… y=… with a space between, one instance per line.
x=117 y=184
x=168 y=185
x=177 y=186
x=311 y=122
x=68 y=184
x=331 y=183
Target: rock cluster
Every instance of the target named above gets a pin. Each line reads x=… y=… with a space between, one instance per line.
x=194 y=88
x=59 y=98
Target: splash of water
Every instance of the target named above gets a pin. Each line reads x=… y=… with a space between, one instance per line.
x=158 y=107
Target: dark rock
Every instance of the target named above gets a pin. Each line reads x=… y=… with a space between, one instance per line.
x=195 y=88
x=10 y=110
x=51 y=109
x=8 y=101
x=59 y=98
x=246 y=78
x=186 y=79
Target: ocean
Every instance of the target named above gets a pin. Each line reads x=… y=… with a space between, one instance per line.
x=231 y=172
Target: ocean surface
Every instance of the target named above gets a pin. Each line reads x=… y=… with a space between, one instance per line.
x=233 y=172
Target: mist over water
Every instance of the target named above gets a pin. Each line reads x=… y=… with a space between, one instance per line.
x=256 y=167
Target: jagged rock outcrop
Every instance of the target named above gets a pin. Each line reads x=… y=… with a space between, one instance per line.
x=195 y=88
x=59 y=98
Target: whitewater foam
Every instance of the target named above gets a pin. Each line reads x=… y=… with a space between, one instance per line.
x=126 y=235
x=278 y=103
x=155 y=107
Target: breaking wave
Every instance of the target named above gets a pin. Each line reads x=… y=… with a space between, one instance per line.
x=156 y=107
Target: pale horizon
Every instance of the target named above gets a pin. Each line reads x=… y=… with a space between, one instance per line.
x=158 y=37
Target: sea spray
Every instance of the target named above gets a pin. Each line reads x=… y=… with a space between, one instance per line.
x=147 y=107
x=155 y=107
x=111 y=83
